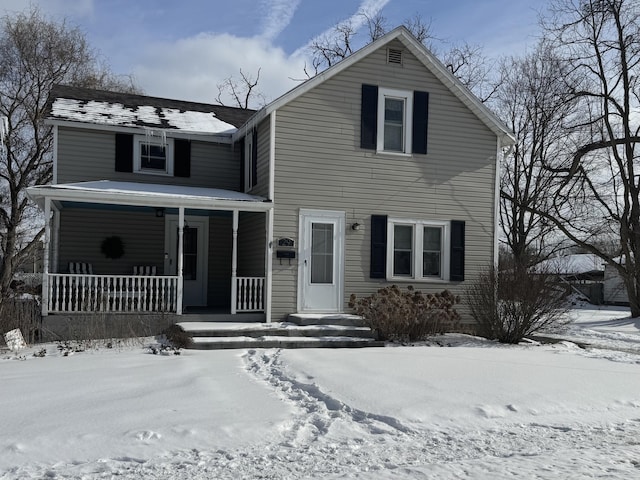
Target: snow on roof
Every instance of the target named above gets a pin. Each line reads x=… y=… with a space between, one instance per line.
x=117 y=114
x=148 y=194
x=574 y=264
x=155 y=189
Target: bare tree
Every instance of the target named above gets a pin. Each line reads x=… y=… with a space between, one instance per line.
x=469 y=64
x=532 y=99
x=338 y=43
x=35 y=54
x=598 y=182
x=466 y=62
x=241 y=91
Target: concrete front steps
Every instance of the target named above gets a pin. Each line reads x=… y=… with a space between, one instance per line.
x=301 y=331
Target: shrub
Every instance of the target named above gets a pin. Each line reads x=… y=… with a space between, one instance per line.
x=393 y=314
x=509 y=305
x=177 y=337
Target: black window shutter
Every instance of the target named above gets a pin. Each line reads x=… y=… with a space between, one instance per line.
x=241 y=188
x=124 y=152
x=457 y=251
x=254 y=157
x=420 y=115
x=369 y=117
x=181 y=158
x=378 y=246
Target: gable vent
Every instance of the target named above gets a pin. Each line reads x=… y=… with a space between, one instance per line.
x=394 y=55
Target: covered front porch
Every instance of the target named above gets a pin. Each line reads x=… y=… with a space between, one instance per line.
x=124 y=247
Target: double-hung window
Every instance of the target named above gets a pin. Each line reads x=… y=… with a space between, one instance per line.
x=395 y=112
x=153 y=155
x=418 y=250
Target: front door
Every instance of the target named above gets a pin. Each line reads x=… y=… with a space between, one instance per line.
x=321 y=268
x=195 y=257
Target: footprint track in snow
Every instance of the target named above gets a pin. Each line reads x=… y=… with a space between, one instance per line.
x=320 y=411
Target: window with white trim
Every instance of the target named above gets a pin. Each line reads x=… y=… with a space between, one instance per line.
x=418 y=250
x=395 y=111
x=153 y=155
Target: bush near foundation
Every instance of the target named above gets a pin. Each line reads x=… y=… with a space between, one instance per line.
x=407 y=315
x=509 y=305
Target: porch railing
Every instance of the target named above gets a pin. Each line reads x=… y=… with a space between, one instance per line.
x=249 y=294
x=111 y=293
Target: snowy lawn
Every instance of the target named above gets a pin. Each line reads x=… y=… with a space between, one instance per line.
x=459 y=408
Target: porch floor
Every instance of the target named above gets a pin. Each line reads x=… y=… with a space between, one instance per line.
x=209 y=314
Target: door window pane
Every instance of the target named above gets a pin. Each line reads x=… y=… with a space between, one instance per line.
x=190 y=253
x=431 y=252
x=394 y=124
x=321 y=253
x=402 y=250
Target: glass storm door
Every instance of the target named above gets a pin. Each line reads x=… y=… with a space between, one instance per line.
x=321 y=261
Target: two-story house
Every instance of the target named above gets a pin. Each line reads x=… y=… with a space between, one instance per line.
x=382 y=169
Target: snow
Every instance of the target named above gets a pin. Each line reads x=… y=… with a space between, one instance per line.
x=153 y=190
x=106 y=113
x=574 y=264
x=454 y=407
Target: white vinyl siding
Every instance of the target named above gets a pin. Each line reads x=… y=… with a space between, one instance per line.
x=86 y=155
x=319 y=164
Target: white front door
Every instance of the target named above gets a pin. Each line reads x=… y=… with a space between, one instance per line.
x=321 y=267
x=195 y=254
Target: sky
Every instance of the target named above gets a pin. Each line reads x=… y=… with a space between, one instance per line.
x=183 y=50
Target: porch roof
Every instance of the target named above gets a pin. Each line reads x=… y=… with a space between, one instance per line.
x=149 y=194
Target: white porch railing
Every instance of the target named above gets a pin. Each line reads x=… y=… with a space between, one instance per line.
x=111 y=293
x=250 y=294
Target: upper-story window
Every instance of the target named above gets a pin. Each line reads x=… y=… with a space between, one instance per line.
x=153 y=155
x=394 y=120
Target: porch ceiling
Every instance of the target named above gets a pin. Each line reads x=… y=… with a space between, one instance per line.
x=107 y=192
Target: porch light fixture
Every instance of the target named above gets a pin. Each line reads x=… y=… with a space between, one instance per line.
x=159 y=212
x=355 y=226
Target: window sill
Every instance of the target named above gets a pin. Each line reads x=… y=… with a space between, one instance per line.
x=393 y=154
x=418 y=280
x=151 y=172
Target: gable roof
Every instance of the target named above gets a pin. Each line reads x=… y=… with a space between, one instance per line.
x=104 y=107
x=429 y=60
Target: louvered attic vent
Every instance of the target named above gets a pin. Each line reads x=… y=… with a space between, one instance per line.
x=394 y=55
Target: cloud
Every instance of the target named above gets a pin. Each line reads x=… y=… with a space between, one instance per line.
x=278 y=16
x=191 y=68
x=367 y=9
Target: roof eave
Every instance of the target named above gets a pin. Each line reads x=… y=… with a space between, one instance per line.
x=225 y=137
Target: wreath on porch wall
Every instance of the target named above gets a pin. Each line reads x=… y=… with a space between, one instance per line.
x=112 y=247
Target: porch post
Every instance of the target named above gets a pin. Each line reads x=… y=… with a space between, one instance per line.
x=55 y=240
x=234 y=264
x=45 y=257
x=180 y=259
x=268 y=265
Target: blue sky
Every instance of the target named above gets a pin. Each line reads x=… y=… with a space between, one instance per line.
x=184 y=49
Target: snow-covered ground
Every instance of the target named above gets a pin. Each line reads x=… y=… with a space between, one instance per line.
x=460 y=407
